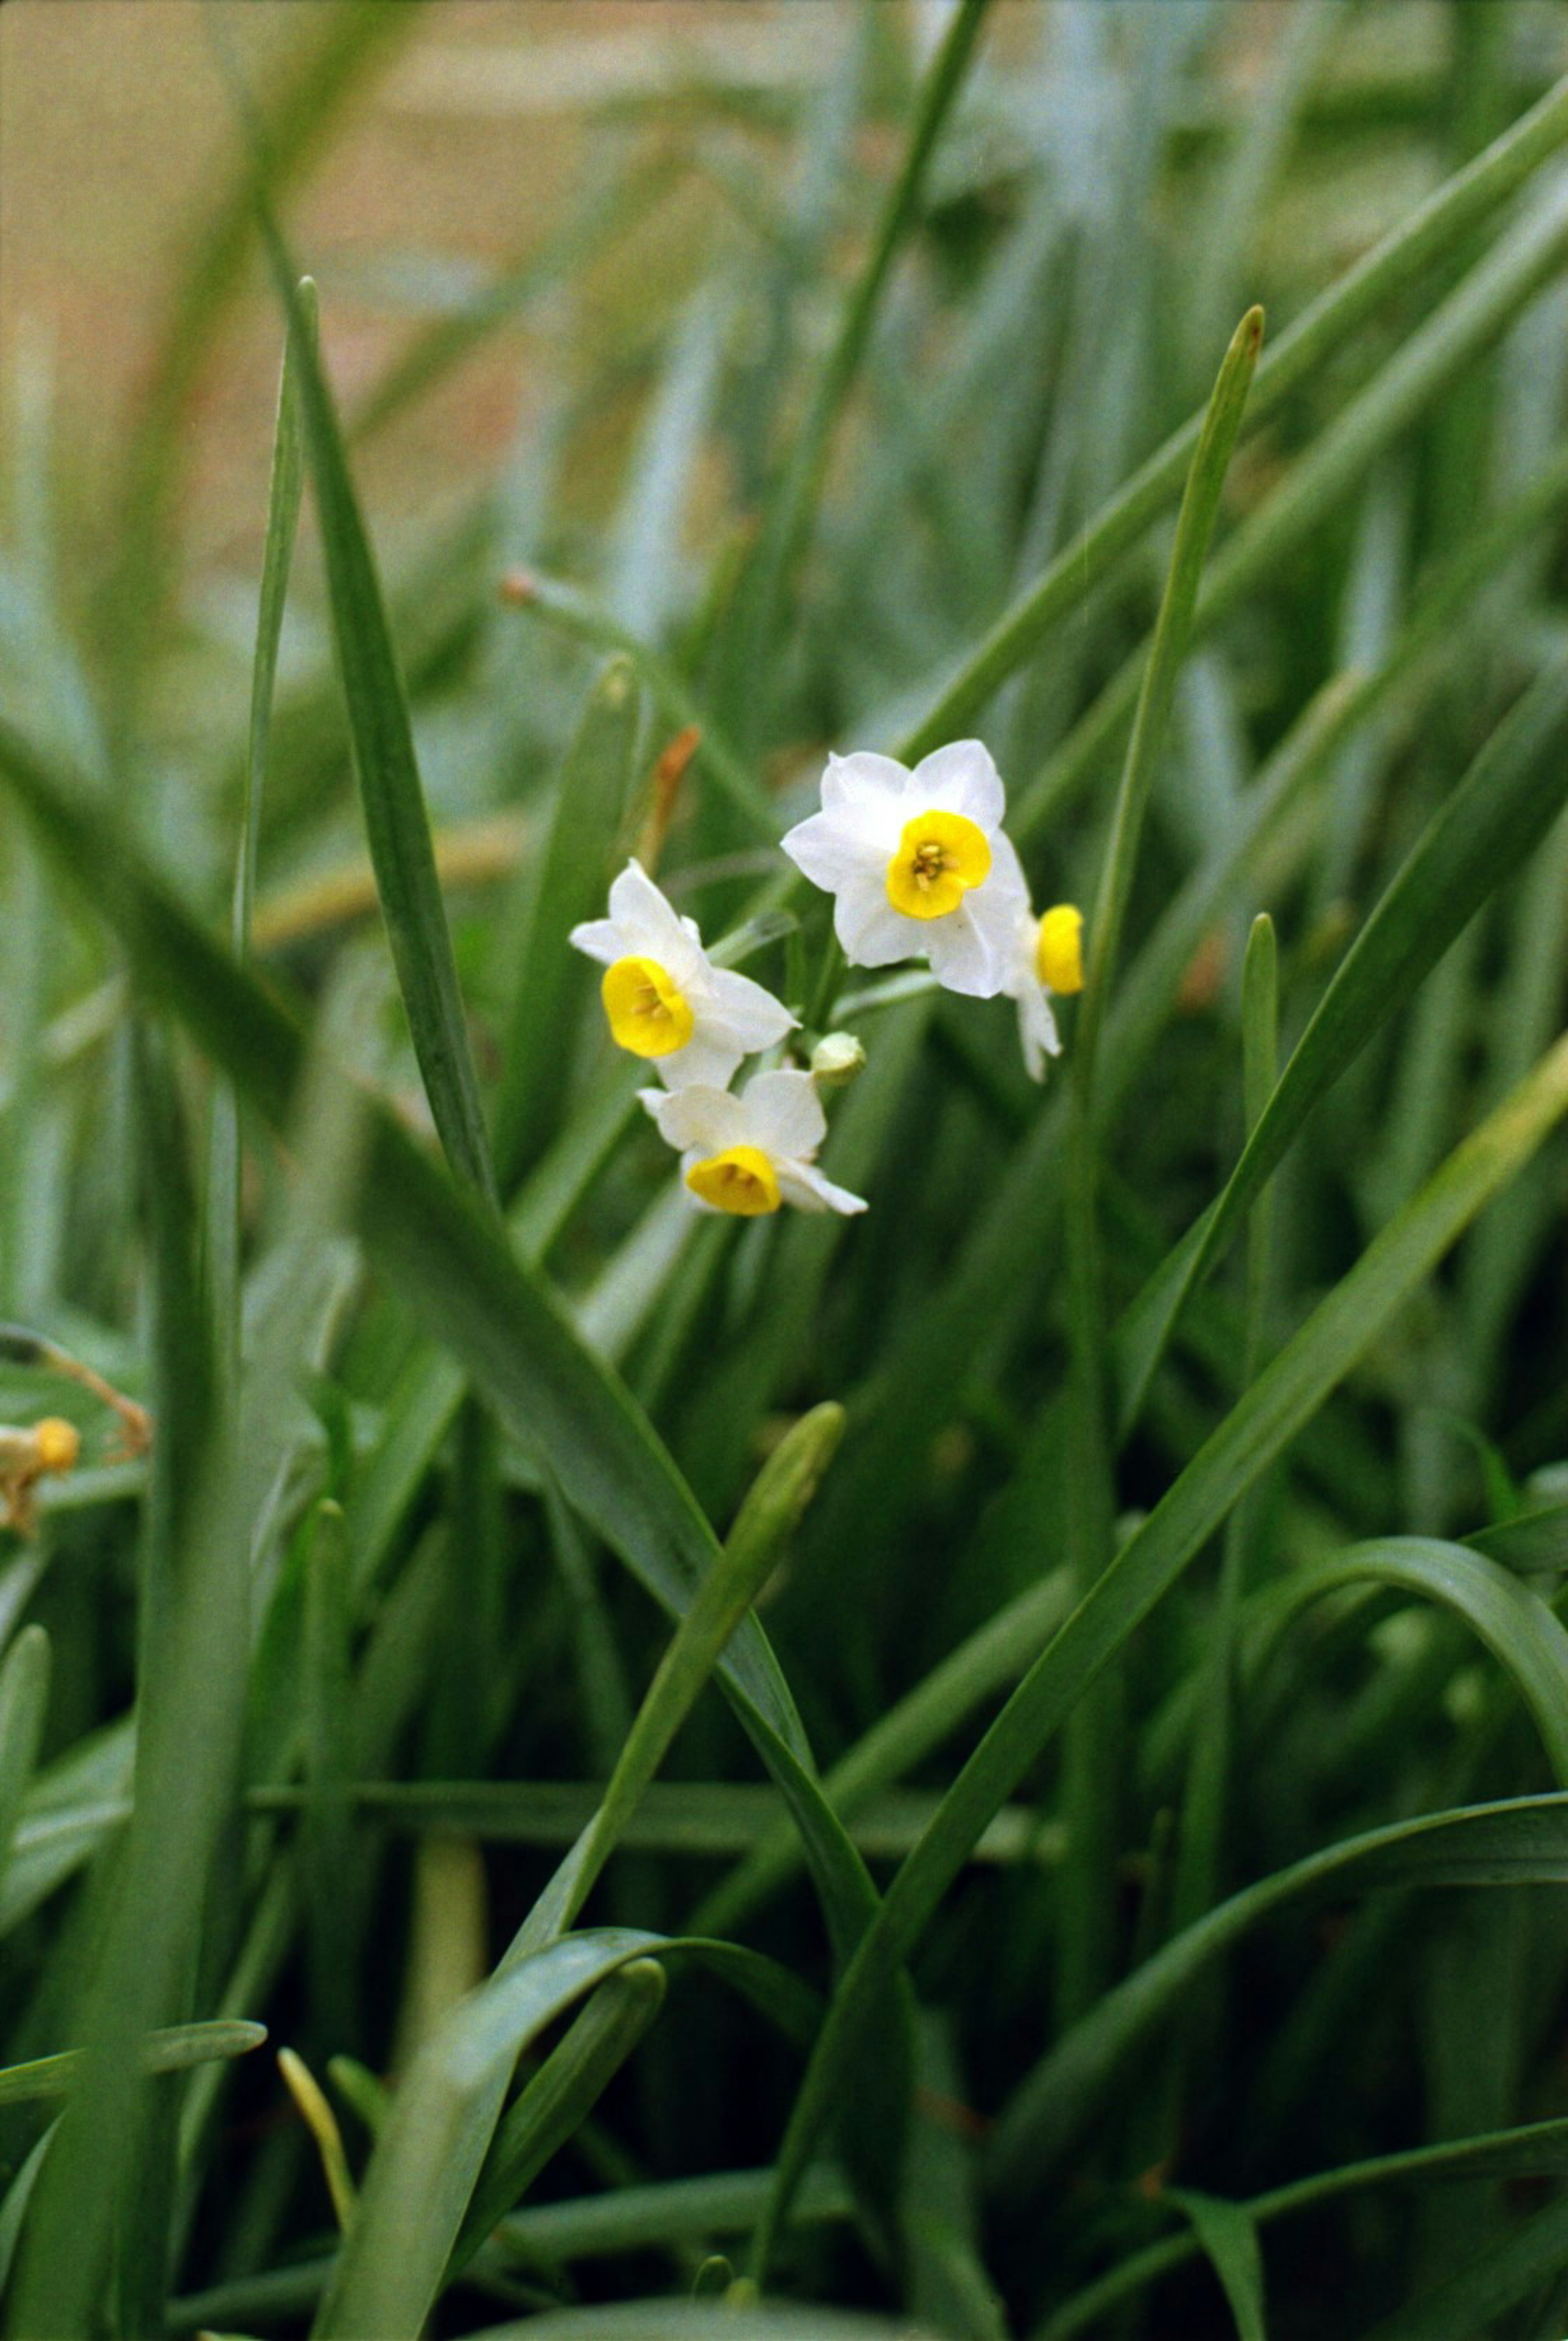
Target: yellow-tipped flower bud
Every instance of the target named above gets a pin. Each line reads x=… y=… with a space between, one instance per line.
x=1059 y=955
x=57 y=1442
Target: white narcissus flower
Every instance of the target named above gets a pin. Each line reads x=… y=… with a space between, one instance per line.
x=917 y=861
x=664 y=998
x=747 y=1154
x=1047 y=959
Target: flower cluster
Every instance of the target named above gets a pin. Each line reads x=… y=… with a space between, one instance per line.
x=666 y=1001
x=918 y=863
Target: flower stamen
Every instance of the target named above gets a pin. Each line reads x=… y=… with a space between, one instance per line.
x=940 y=856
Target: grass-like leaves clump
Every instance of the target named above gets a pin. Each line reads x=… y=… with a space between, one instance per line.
x=995 y=1766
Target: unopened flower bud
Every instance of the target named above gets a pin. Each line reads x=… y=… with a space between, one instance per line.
x=836 y=1058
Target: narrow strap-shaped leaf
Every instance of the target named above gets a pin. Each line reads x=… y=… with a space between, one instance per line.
x=1524 y=1841
x=1522 y=1631
x=572 y=867
x=1501 y=810
x=772 y=1509
x=1092 y=1761
x=283 y=496
x=1498 y=2276
x=1534 y=2150
x=396 y=822
x=24 y=1703
x=325 y=1699
x=112 y=2170
x=1173 y=633
x=384 y=2281
x=788 y=515
x=472 y=1291
x=716 y=756
x=385 y=2249
x=1473 y=318
x=171 y=2050
x=1438 y=225
x=1230 y=2236
x=565 y=2089
x=1271 y=1412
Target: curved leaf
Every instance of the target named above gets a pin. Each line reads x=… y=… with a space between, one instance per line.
x=24 y=1703
x=384 y=2281
x=1523 y=1633
x=1521 y=1842
x=442 y=1249
x=1500 y=811
x=391 y=2266
x=559 y=2097
x=1535 y=1543
x=1275 y=1406
x=1438 y=225
x=1531 y=2151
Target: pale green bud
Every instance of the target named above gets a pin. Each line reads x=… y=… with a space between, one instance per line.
x=836 y=1058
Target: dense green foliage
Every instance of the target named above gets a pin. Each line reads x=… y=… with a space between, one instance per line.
x=1001 y=1764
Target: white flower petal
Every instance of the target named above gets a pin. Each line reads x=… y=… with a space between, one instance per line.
x=1006 y=877
x=651 y=927
x=601 y=939
x=637 y=901
x=1037 y=1033
x=710 y=1058
x=784 y=1114
x=874 y=934
x=808 y=1191
x=962 y=778
x=834 y=848
x=700 y=1117
x=863 y=779
x=965 y=956
x=749 y=1010
x=974 y=950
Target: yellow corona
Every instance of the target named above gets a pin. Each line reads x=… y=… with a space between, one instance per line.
x=741 y=1181
x=940 y=856
x=648 y=1013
